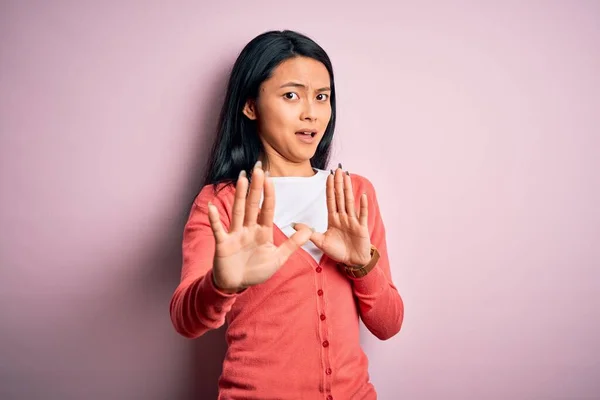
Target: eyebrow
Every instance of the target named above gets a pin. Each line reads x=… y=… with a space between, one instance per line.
x=295 y=84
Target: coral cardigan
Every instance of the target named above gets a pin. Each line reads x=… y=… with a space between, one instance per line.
x=295 y=336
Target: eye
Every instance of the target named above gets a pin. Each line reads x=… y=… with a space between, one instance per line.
x=290 y=95
x=322 y=97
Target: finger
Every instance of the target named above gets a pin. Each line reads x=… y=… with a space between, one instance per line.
x=331 y=205
x=268 y=206
x=339 y=190
x=215 y=223
x=253 y=200
x=239 y=202
x=364 y=210
x=316 y=237
x=349 y=195
x=300 y=226
x=288 y=247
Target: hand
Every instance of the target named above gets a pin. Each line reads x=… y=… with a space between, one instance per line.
x=347 y=237
x=246 y=255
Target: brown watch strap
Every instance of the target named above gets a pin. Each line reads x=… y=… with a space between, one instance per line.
x=359 y=272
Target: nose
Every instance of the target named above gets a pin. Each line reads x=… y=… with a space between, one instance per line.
x=308 y=112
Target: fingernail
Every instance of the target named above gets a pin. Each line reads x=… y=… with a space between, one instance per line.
x=268 y=173
x=340 y=166
x=293 y=225
x=242 y=173
x=331 y=171
x=258 y=164
x=312 y=229
x=347 y=173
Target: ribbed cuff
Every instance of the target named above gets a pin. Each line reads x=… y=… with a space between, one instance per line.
x=218 y=303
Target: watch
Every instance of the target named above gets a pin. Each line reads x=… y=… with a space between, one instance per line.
x=360 y=271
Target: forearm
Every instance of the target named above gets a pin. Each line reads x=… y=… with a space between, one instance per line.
x=197 y=306
x=380 y=306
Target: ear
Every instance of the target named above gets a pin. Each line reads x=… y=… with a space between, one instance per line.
x=250 y=109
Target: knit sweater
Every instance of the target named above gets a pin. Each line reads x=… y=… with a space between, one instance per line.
x=295 y=336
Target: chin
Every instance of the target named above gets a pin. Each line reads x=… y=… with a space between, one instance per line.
x=302 y=156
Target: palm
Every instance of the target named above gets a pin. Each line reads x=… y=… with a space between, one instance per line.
x=246 y=255
x=344 y=245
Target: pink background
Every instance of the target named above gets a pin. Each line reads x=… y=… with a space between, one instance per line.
x=477 y=122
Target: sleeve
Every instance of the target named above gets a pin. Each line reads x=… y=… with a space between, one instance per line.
x=380 y=305
x=197 y=306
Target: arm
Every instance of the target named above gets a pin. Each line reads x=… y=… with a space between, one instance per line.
x=197 y=306
x=380 y=306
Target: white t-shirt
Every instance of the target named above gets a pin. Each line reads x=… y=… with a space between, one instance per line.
x=301 y=200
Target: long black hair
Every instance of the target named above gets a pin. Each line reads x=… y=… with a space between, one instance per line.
x=237 y=145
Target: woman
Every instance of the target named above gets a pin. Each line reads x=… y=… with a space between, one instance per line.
x=291 y=278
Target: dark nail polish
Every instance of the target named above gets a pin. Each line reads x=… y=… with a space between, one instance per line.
x=340 y=166
x=331 y=171
x=347 y=173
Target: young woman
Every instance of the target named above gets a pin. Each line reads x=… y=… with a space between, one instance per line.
x=292 y=277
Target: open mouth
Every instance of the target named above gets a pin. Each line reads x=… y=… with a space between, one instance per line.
x=307 y=133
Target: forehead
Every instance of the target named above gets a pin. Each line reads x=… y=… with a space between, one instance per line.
x=303 y=70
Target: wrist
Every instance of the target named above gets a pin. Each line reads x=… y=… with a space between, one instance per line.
x=360 y=260
x=221 y=289
x=359 y=271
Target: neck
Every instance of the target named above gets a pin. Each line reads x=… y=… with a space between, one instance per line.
x=279 y=167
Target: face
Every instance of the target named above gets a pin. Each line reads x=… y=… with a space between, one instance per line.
x=292 y=109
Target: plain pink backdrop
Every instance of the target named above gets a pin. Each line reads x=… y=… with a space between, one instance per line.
x=477 y=122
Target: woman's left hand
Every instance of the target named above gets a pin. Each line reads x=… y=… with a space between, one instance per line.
x=347 y=237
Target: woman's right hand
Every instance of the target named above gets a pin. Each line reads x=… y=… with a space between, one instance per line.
x=246 y=255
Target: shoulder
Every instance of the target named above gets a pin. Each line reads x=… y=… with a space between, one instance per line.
x=361 y=184
x=220 y=195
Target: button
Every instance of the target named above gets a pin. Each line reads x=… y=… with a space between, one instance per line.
x=322 y=317
x=319 y=269
x=325 y=343
x=330 y=397
x=328 y=371
x=320 y=292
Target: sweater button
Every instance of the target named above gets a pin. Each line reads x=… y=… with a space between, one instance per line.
x=319 y=269
x=330 y=397
x=325 y=343
x=322 y=317
x=328 y=371
x=320 y=292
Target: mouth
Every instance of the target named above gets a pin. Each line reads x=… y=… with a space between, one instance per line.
x=307 y=136
x=311 y=133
